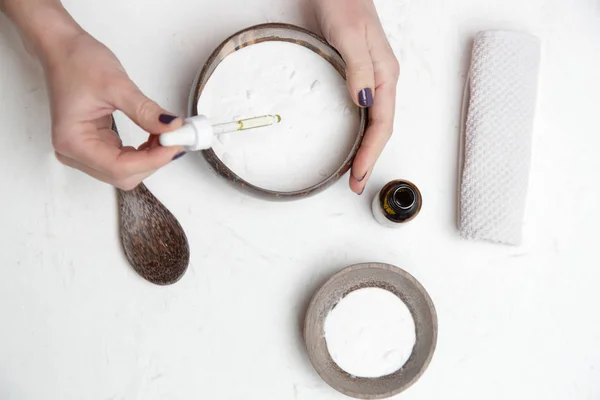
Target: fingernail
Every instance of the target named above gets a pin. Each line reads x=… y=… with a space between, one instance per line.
x=363 y=177
x=178 y=156
x=365 y=97
x=166 y=118
x=361 y=192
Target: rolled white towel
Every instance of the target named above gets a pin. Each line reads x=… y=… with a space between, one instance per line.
x=501 y=99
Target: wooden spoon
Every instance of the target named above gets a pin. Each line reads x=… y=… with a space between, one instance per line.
x=153 y=240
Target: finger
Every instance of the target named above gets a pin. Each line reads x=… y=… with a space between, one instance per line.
x=69 y=162
x=99 y=151
x=144 y=112
x=360 y=76
x=377 y=134
x=359 y=187
x=127 y=184
x=381 y=119
x=69 y=141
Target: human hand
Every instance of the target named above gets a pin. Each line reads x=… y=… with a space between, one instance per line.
x=86 y=85
x=354 y=29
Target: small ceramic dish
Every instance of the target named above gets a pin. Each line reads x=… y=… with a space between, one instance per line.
x=403 y=285
x=259 y=34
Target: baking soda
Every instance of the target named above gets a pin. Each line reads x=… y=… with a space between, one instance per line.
x=319 y=120
x=370 y=333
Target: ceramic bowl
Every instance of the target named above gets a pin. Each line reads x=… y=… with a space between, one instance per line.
x=403 y=285
x=259 y=34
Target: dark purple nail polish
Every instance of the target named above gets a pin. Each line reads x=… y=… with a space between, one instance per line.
x=363 y=177
x=361 y=192
x=166 y=118
x=365 y=97
x=178 y=156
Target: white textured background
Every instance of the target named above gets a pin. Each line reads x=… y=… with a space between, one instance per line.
x=515 y=323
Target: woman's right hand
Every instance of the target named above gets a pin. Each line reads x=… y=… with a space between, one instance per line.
x=86 y=84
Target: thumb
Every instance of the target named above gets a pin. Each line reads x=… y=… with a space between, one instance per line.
x=360 y=74
x=145 y=112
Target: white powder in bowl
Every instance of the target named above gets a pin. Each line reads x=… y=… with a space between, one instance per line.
x=370 y=333
x=319 y=121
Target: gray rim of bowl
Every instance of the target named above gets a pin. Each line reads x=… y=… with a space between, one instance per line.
x=409 y=290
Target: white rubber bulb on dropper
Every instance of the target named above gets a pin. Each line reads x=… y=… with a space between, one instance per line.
x=195 y=134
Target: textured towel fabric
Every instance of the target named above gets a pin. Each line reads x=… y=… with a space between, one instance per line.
x=501 y=95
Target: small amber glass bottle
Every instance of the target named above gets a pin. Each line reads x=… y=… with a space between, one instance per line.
x=396 y=203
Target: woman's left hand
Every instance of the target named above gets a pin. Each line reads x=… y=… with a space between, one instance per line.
x=354 y=29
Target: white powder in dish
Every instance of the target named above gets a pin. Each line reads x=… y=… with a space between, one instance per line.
x=319 y=121
x=370 y=333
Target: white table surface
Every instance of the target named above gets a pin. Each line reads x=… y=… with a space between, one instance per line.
x=76 y=322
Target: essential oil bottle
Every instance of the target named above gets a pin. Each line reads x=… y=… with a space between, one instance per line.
x=396 y=203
